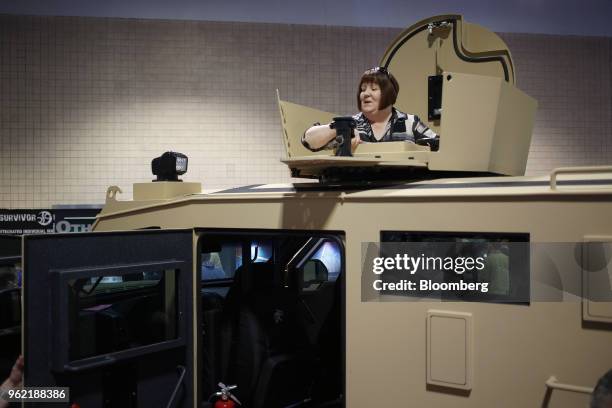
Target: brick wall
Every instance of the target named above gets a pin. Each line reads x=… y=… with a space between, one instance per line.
x=87 y=102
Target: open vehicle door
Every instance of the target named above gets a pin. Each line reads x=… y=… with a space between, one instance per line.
x=111 y=316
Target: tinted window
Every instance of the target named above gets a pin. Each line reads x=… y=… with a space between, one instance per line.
x=505 y=260
x=222 y=260
x=113 y=313
x=10 y=276
x=329 y=254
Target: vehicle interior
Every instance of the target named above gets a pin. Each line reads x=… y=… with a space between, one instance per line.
x=271 y=317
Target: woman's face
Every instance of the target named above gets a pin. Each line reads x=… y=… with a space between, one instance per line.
x=370 y=97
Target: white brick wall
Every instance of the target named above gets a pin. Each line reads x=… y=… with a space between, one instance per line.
x=571 y=79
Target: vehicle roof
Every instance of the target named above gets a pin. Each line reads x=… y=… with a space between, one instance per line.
x=474 y=186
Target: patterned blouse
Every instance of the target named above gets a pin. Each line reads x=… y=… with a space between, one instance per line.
x=401 y=126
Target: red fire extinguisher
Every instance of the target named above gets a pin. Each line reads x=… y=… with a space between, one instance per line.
x=226 y=398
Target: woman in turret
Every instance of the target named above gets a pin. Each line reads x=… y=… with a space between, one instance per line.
x=377 y=120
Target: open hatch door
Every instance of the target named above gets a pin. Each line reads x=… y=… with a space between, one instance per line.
x=111 y=316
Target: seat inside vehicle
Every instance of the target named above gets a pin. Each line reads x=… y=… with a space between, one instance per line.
x=269 y=336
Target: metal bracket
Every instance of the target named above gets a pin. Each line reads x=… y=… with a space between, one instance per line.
x=576 y=170
x=553 y=384
x=111 y=193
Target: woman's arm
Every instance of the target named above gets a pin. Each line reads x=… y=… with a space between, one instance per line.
x=318 y=136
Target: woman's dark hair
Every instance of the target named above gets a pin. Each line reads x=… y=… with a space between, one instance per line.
x=389 y=88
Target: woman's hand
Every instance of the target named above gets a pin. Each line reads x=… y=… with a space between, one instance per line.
x=320 y=135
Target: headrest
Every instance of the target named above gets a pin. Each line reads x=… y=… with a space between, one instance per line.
x=254 y=276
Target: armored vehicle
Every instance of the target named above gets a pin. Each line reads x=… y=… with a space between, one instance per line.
x=274 y=288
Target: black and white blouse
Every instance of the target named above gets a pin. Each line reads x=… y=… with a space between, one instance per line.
x=412 y=127
x=401 y=126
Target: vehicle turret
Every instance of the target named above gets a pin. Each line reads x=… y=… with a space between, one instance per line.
x=459 y=78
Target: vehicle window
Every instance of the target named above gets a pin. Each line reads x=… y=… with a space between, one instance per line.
x=502 y=259
x=317 y=257
x=223 y=262
x=323 y=263
x=10 y=276
x=113 y=313
x=329 y=254
x=111 y=284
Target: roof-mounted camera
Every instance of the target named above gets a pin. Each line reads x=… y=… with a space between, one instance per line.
x=169 y=166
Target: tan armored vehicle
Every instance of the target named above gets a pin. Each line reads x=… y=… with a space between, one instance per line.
x=292 y=292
